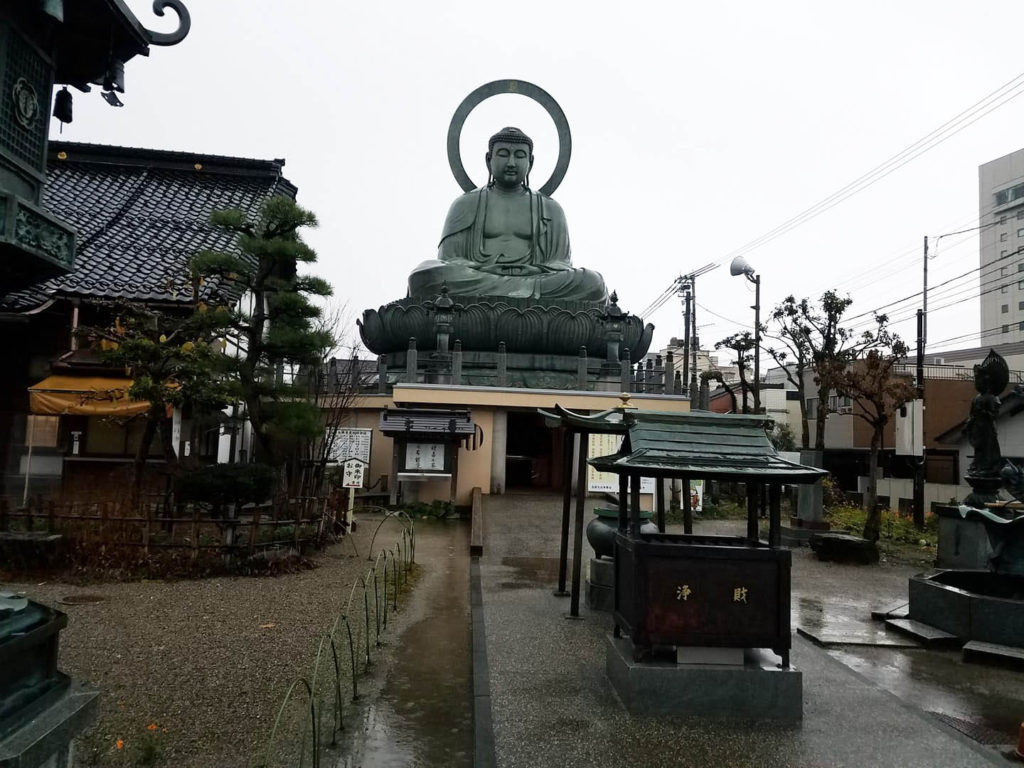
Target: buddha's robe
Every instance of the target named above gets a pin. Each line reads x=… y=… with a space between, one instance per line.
x=546 y=272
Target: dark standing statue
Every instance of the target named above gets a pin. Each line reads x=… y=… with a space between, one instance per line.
x=504 y=239
x=983 y=475
x=990 y=379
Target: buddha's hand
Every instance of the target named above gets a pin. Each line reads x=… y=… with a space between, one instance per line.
x=511 y=270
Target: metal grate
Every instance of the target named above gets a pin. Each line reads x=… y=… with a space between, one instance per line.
x=982 y=734
x=20 y=60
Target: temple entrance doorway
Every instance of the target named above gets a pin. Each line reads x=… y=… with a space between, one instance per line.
x=531 y=453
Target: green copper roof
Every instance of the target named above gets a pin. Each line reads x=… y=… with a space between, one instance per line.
x=709 y=445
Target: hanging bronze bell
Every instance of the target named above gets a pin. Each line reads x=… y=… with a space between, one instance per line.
x=62 y=105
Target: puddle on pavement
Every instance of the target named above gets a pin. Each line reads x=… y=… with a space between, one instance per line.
x=536 y=570
x=843 y=624
x=423 y=713
x=939 y=681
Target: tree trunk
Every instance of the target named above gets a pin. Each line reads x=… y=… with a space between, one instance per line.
x=139 y=465
x=805 y=429
x=873 y=521
x=819 y=425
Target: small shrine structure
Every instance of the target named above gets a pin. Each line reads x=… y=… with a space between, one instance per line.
x=681 y=598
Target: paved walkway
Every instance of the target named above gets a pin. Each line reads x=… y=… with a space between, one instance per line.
x=551 y=704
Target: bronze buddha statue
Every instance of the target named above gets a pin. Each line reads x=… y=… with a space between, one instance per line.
x=505 y=240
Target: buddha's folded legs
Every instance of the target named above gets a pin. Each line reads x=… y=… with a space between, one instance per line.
x=576 y=284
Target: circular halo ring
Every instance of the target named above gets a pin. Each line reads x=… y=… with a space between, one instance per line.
x=522 y=88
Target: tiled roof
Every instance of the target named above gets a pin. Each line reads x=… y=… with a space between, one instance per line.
x=141 y=214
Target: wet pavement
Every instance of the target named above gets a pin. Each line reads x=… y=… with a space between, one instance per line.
x=867 y=700
x=417 y=709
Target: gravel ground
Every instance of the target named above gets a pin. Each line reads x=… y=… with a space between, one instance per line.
x=207 y=661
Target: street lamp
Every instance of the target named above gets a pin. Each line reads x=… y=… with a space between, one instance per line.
x=740 y=266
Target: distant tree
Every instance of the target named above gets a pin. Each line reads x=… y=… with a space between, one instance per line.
x=806 y=330
x=782 y=437
x=173 y=362
x=742 y=345
x=791 y=351
x=878 y=391
x=274 y=328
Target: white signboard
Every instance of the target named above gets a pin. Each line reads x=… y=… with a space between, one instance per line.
x=605 y=444
x=910 y=428
x=424 y=457
x=352 y=473
x=350 y=443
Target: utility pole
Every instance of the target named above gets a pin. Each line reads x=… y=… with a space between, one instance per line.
x=757 y=343
x=921 y=466
x=694 y=389
x=686 y=287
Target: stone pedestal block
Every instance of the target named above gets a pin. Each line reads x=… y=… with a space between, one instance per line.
x=46 y=740
x=600 y=595
x=756 y=690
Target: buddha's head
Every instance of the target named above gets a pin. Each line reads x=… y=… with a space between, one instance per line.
x=509 y=158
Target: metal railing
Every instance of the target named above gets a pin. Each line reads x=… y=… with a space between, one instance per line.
x=323 y=693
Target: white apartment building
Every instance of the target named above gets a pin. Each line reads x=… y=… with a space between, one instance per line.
x=1001 y=204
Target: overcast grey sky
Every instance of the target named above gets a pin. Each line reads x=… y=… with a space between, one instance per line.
x=697 y=127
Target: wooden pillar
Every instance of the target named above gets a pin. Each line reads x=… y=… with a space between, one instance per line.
x=393 y=477
x=687 y=506
x=453 y=493
x=634 y=505
x=774 y=514
x=563 y=548
x=577 y=544
x=623 y=502
x=659 y=501
x=753 y=495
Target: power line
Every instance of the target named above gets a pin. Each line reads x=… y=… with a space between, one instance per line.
x=1001 y=96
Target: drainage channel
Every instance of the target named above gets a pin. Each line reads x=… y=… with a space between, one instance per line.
x=418 y=710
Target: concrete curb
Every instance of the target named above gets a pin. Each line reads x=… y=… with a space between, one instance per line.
x=483 y=726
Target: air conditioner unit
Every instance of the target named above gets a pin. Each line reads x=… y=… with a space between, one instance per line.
x=844 y=410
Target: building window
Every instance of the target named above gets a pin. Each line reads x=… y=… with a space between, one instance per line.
x=1006 y=329
x=812 y=408
x=1020 y=213
x=1003 y=271
x=1009 y=195
x=1002 y=219
x=1004 y=289
x=1002 y=254
x=1020 y=305
x=1020 y=267
x=1002 y=237
x=1020 y=326
x=1020 y=287
x=1004 y=308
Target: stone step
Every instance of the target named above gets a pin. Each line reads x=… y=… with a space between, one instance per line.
x=924 y=633
x=976 y=649
x=898 y=610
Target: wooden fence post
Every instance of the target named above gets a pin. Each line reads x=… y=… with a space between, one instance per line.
x=147 y=529
x=104 y=514
x=195 y=531
x=254 y=528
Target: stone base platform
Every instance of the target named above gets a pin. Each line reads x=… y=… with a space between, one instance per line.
x=757 y=690
x=46 y=740
x=600 y=594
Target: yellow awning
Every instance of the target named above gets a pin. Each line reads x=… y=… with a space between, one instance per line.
x=84 y=396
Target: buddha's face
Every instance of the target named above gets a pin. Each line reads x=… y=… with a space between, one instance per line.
x=509 y=164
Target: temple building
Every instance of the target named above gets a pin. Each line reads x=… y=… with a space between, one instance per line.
x=139 y=216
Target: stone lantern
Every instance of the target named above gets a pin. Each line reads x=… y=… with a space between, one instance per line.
x=82 y=44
